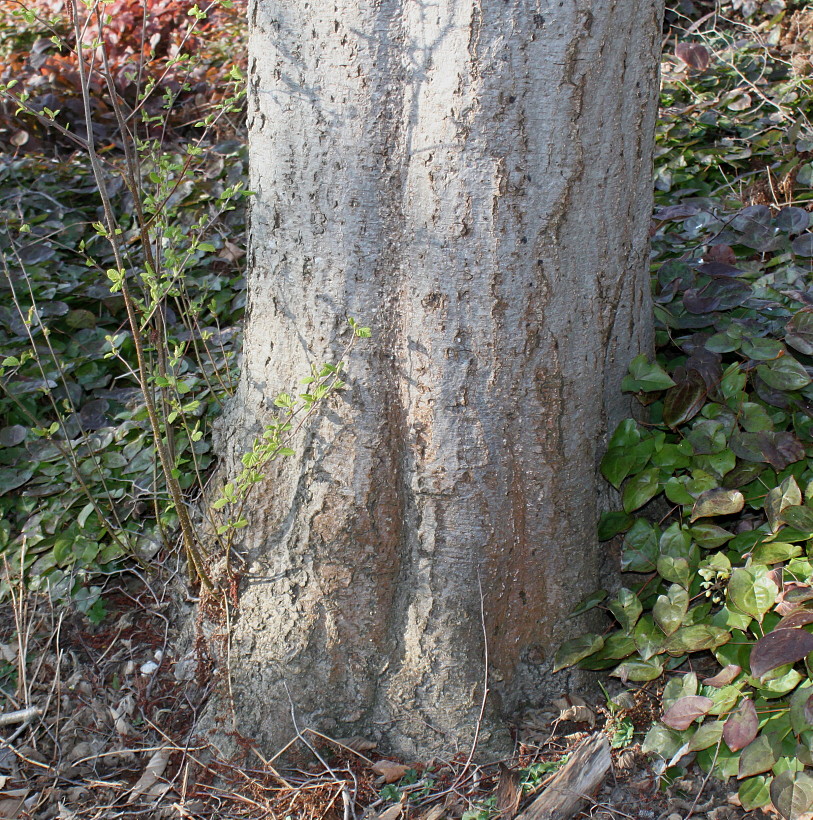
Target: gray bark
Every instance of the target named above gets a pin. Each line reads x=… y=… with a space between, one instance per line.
x=472 y=180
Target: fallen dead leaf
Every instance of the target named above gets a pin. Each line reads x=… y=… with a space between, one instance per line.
x=155 y=768
x=357 y=743
x=391 y=772
x=392 y=813
x=509 y=792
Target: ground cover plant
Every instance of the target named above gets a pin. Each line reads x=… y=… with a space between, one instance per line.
x=715 y=477
x=715 y=483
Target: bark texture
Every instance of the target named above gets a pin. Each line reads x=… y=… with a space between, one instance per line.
x=472 y=180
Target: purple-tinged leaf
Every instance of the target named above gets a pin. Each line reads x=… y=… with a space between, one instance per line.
x=726 y=675
x=718 y=269
x=796 y=619
x=803 y=245
x=717 y=502
x=778 y=648
x=685 y=711
x=742 y=726
x=684 y=401
x=799 y=331
x=695 y=55
x=793 y=220
x=792 y=793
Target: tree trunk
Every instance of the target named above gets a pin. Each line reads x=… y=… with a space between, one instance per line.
x=473 y=181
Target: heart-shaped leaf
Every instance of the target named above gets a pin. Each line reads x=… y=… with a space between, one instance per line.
x=670 y=609
x=572 y=651
x=778 y=648
x=684 y=712
x=756 y=758
x=741 y=726
x=695 y=55
x=728 y=674
x=792 y=793
x=754 y=793
x=717 y=502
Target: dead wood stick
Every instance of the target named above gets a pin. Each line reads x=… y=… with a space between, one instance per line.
x=574 y=782
x=21 y=715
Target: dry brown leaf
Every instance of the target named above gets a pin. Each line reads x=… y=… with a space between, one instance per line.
x=357 y=743
x=11 y=803
x=392 y=813
x=508 y=793
x=155 y=768
x=390 y=771
x=435 y=813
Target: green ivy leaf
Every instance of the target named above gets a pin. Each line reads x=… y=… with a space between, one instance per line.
x=589 y=602
x=695 y=639
x=613 y=523
x=676 y=570
x=649 y=640
x=572 y=651
x=616 y=466
x=639 y=489
x=670 y=609
x=754 y=792
x=640 y=551
x=626 y=608
x=707 y=735
x=662 y=741
x=752 y=591
x=645 y=377
x=784 y=374
x=710 y=536
x=639 y=671
x=800 y=517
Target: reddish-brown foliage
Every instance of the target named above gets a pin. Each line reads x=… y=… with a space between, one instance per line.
x=140 y=43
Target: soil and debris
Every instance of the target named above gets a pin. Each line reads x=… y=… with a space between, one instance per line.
x=108 y=730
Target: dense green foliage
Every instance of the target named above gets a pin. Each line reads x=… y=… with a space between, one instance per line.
x=79 y=483
x=716 y=477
